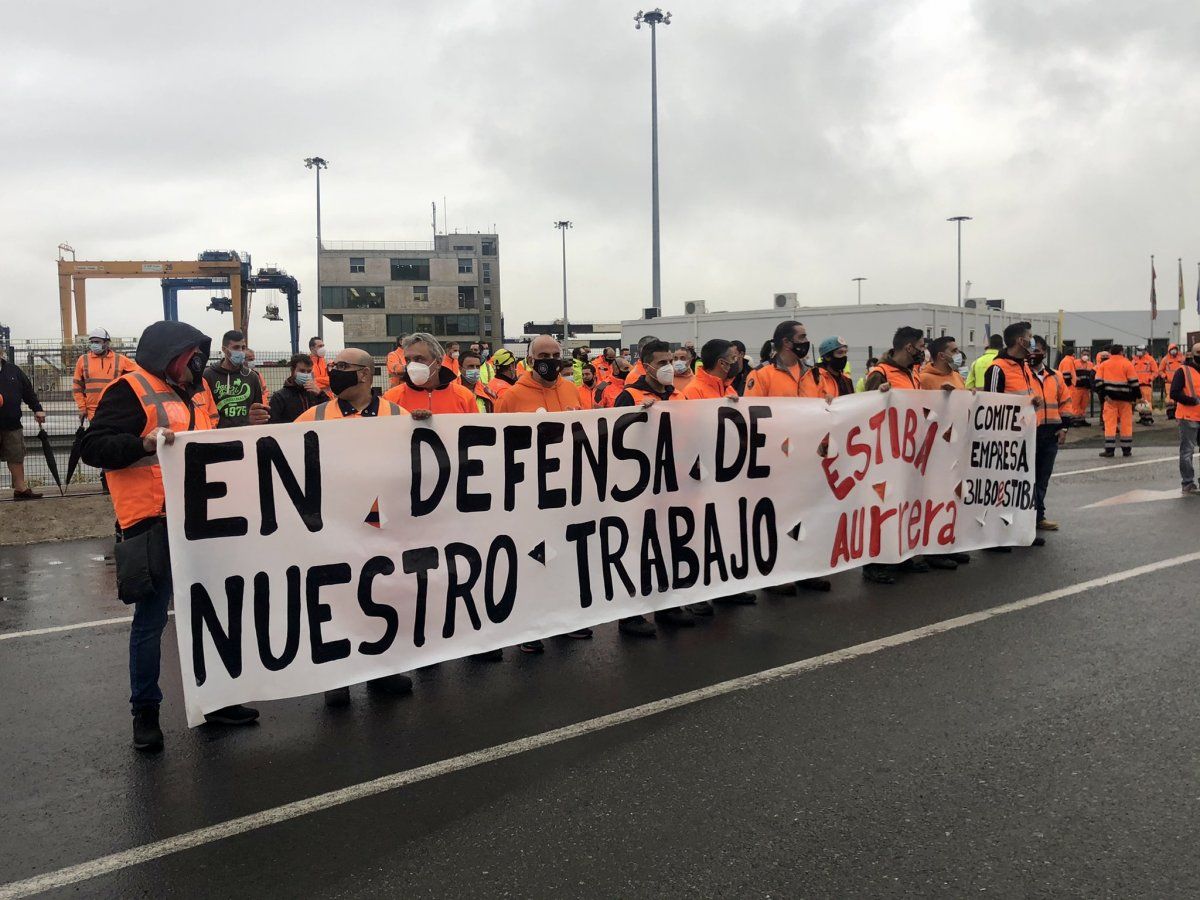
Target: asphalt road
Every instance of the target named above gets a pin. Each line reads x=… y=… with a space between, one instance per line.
x=1049 y=750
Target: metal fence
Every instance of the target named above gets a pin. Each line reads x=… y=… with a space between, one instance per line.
x=51 y=368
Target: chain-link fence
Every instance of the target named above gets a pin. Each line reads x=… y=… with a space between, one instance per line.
x=51 y=368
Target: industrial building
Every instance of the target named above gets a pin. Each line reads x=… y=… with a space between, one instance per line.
x=379 y=290
x=867 y=329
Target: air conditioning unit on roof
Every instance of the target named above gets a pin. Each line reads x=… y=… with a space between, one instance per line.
x=786 y=301
x=695 y=308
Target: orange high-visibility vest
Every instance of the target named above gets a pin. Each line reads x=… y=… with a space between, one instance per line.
x=1053 y=391
x=1191 y=381
x=137 y=490
x=897 y=377
x=331 y=410
x=93 y=374
x=1016 y=376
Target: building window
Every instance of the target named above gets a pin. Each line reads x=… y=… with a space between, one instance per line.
x=465 y=266
x=466 y=298
x=487 y=298
x=487 y=326
x=378 y=349
x=487 y=273
x=972 y=338
x=420 y=293
x=488 y=248
x=448 y=325
x=352 y=298
x=410 y=270
x=466 y=248
x=358 y=265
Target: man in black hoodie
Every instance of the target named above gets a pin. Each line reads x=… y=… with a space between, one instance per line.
x=162 y=397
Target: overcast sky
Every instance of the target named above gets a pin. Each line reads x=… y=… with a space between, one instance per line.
x=802 y=144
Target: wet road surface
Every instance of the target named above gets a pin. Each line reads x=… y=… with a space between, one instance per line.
x=1049 y=750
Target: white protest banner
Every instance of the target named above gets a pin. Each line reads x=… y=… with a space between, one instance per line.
x=310 y=556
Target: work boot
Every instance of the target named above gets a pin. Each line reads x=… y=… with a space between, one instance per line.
x=743 y=599
x=580 y=634
x=488 y=656
x=337 y=698
x=703 y=608
x=916 y=564
x=147 y=736
x=879 y=574
x=534 y=647
x=677 y=616
x=961 y=558
x=941 y=562
x=637 y=625
x=1108 y=453
x=391 y=684
x=815 y=584
x=1127 y=451
x=1046 y=525
x=232 y=715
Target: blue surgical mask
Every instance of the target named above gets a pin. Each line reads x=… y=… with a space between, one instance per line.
x=470 y=375
x=303 y=378
x=237 y=358
x=96 y=347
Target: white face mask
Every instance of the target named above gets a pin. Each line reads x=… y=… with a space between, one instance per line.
x=680 y=366
x=418 y=373
x=666 y=374
x=957 y=360
x=454 y=355
x=320 y=351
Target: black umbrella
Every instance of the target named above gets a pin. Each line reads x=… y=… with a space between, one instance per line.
x=51 y=461
x=76 y=450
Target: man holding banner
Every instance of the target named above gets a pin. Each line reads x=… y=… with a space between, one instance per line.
x=138 y=413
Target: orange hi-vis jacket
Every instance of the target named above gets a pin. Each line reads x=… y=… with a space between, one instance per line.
x=603 y=369
x=1048 y=385
x=449 y=362
x=137 y=490
x=935 y=381
x=331 y=409
x=897 y=376
x=395 y=366
x=1191 y=384
x=774 y=380
x=320 y=372
x=1170 y=365
x=587 y=396
x=1014 y=376
x=1118 y=380
x=93 y=374
x=451 y=398
x=1145 y=367
x=707 y=387
x=529 y=396
x=613 y=391
x=829 y=385
x=1066 y=368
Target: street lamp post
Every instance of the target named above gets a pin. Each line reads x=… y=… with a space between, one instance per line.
x=860 y=279
x=563 y=226
x=654 y=18
x=315 y=162
x=958 y=220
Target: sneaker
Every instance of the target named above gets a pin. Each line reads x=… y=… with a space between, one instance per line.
x=961 y=558
x=580 y=634
x=27 y=494
x=147 y=736
x=941 y=562
x=1190 y=489
x=395 y=685
x=1047 y=525
x=703 y=608
x=532 y=647
x=233 y=715
x=488 y=656
x=815 y=584
x=878 y=574
x=637 y=625
x=337 y=698
x=743 y=599
x=677 y=616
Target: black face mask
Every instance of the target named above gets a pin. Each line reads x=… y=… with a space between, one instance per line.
x=735 y=369
x=547 y=369
x=801 y=350
x=196 y=366
x=342 y=379
x=837 y=363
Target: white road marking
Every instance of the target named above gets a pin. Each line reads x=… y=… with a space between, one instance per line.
x=9 y=635
x=1140 y=462
x=1138 y=496
x=114 y=862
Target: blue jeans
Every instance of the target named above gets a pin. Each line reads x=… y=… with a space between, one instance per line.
x=145 y=648
x=1045 y=452
x=1187 y=447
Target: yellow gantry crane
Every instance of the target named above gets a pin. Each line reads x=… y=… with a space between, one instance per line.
x=73 y=275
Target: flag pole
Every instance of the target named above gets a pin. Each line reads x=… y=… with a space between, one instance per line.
x=1153 y=301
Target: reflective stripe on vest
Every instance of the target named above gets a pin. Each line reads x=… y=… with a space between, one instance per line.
x=1182 y=410
x=1048 y=413
x=104 y=381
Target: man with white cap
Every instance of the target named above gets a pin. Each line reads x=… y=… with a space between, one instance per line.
x=95 y=370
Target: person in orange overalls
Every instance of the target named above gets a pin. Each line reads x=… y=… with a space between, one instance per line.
x=1146 y=368
x=95 y=370
x=1167 y=367
x=1118 y=386
x=784 y=375
x=450 y=360
x=426 y=383
x=316 y=349
x=396 y=363
x=603 y=364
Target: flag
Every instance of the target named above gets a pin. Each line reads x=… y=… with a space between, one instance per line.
x=1153 y=292
x=1181 y=300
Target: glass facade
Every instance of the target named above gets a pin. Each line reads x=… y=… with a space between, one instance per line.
x=351 y=297
x=434 y=323
x=410 y=270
